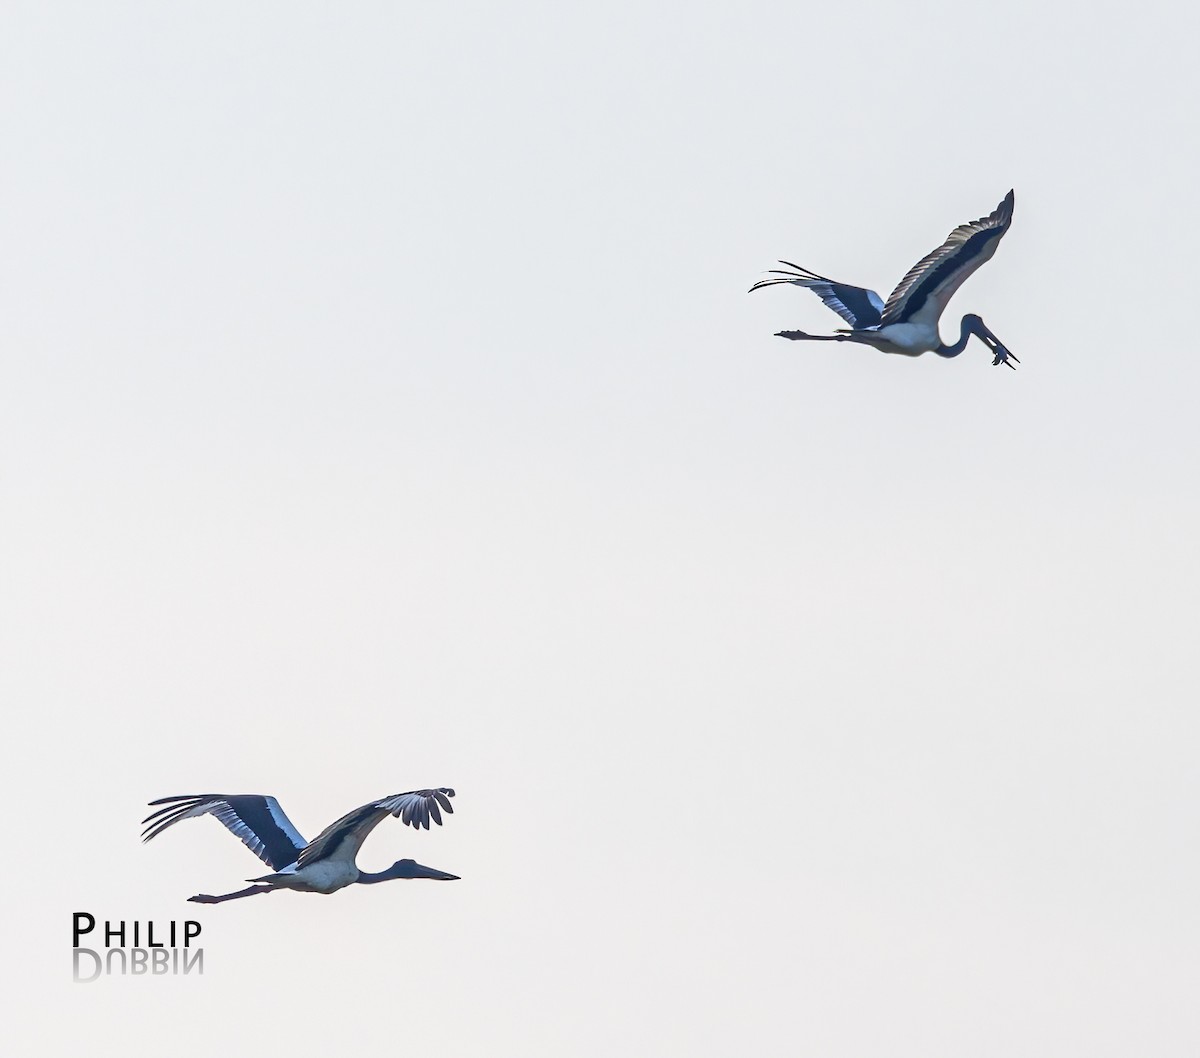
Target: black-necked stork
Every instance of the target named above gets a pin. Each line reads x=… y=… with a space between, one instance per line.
x=323 y=865
x=907 y=323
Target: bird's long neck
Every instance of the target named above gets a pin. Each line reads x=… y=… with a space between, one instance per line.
x=967 y=328
x=367 y=878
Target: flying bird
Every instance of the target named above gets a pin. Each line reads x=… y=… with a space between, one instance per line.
x=323 y=865
x=907 y=323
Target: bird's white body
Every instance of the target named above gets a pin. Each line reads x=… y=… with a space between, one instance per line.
x=911 y=338
x=324 y=876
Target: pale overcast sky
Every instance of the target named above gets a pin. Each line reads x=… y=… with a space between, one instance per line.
x=382 y=407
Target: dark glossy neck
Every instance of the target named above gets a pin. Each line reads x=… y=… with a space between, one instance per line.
x=967 y=328
x=366 y=878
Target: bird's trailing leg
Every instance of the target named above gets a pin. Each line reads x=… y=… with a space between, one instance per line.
x=802 y=336
x=204 y=898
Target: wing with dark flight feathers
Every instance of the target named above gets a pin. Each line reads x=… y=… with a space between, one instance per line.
x=257 y=821
x=416 y=808
x=858 y=306
x=930 y=284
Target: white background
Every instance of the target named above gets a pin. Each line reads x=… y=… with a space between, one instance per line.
x=382 y=407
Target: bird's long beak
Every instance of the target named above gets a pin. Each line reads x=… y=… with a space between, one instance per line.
x=421 y=871
x=1000 y=353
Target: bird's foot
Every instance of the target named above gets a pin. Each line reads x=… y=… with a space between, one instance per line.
x=203 y=898
x=1003 y=356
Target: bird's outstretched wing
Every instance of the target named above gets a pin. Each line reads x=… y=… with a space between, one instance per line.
x=257 y=821
x=858 y=306
x=416 y=808
x=923 y=293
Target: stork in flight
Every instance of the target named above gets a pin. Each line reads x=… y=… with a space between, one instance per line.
x=907 y=323
x=323 y=865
